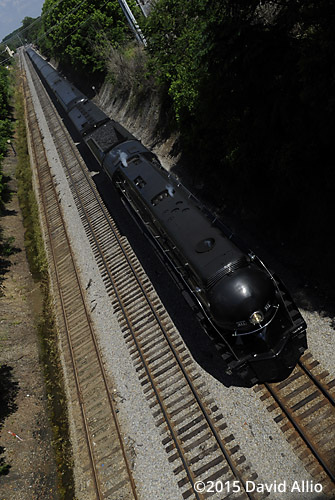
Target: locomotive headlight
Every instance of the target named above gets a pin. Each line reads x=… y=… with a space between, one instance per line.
x=256 y=318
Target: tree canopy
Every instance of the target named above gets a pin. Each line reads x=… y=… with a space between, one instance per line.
x=177 y=45
x=76 y=32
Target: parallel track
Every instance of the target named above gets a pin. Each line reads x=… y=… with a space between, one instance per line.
x=103 y=457
x=304 y=405
x=195 y=437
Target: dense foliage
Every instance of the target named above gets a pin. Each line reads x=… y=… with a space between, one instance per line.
x=253 y=88
x=178 y=45
x=76 y=32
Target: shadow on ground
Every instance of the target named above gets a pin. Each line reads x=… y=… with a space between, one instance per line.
x=8 y=392
x=7 y=248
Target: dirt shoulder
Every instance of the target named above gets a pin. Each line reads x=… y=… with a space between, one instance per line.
x=23 y=401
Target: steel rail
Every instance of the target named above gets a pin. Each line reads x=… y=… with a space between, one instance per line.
x=175 y=353
x=317 y=382
x=33 y=124
x=97 y=351
x=124 y=311
x=300 y=430
x=164 y=332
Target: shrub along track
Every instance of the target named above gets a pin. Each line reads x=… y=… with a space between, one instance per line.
x=102 y=453
x=197 y=440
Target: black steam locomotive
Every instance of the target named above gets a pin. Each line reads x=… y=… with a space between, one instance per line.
x=248 y=307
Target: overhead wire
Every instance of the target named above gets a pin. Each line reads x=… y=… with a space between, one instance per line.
x=63 y=18
x=54 y=26
x=34 y=22
x=84 y=22
x=2 y=62
x=59 y=22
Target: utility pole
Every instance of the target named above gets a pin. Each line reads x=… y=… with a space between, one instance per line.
x=144 y=6
x=20 y=38
x=132 y=22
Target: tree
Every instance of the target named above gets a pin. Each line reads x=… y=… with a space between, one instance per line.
x=72 y=31
x=30 y=29
x=177 y=42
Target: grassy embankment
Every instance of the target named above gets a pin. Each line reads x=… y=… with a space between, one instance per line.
x=49 y=356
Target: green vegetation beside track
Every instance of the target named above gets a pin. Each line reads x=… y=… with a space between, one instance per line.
x=49 y=355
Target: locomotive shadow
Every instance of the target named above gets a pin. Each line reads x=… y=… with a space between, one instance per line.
x=202 y=349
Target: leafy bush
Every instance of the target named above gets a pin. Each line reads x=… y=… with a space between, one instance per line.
x=127 y=70
x=178 y=45
x=71 y=32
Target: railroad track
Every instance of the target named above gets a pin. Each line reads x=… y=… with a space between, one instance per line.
x=304 y=407
x=103 y=458
x=203 y=452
